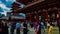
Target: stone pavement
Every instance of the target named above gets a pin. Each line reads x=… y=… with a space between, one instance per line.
x=31 y=31
x=56 y=31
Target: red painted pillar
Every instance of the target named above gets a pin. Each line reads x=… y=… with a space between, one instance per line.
x=30 y=18
x=37 y=17
x=59 y=14
x=46 y=16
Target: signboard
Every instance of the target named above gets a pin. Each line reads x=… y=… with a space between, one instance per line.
x=4 y=18
x=19 y=16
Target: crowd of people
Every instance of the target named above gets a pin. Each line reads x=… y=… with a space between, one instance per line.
x=16 y=25
x=39 y=28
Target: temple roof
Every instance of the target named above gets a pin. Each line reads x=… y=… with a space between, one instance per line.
x=38 y=5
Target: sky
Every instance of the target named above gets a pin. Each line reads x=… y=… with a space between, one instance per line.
x=5 y=6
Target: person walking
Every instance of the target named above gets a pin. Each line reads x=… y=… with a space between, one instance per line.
x=50 y=31
x=25 y=30
x=9 y=27
x=18 y=27
x=5 y=27
x=1 y=24
x=37 y=29
x=39 y=32
x=42 y=28
x=35 y=25
x=31 y=24
x=48 y=25
x=12 y=27
x=58 y=26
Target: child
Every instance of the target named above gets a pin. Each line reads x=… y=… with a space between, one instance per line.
x=50 y=31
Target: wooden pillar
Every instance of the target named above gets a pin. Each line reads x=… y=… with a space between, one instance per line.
x=59 y=14
x=46 y=16
x=37 y=17
x=30 y=18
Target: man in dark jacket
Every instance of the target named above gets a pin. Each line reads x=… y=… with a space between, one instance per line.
x=25 y=28
x=12 y=27
x=1 y=28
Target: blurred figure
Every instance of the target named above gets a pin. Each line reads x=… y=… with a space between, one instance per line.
x=50 y=31
x=42 y=28
x=31 y=24
x=39 y=32
x=35 y=25
x=58 y=26
x=12 y=27
x=25 y=29
x=48 y=25
x=9 y=27
x=21 y=25
x=27 y=25
x=5 y=27
x=37 y=29
x=18 y=27
x=1 y=25
x=0 y=28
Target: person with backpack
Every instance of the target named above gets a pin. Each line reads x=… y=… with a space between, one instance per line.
x=18 y=27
